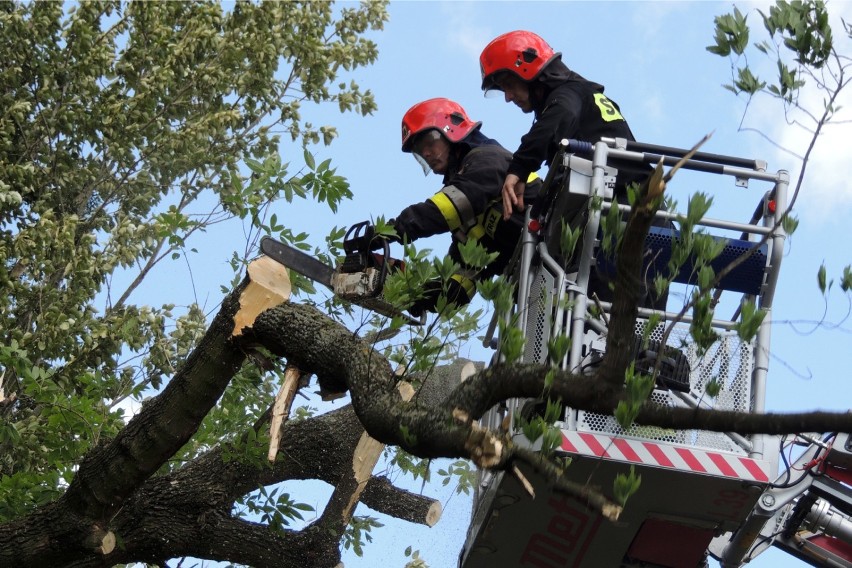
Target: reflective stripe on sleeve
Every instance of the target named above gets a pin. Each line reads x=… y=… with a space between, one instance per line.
x=455 y=207
x=451 y=216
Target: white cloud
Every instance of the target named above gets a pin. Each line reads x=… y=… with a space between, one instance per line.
x=462 y=29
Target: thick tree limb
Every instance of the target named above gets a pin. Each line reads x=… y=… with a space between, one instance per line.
x=444 y=431
x=448 y=431
x=268 y=285
x=382 y=496
x=188 y=512
x=628 y=279
x=352 y=482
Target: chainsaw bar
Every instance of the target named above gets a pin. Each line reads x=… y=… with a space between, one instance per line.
x=352 y=287
x=301 y=262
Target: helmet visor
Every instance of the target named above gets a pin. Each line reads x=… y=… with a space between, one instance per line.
x=422 y=141
x=422 y=163
x=499 y=81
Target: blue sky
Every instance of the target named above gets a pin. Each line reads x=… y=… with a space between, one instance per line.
x=651 y=57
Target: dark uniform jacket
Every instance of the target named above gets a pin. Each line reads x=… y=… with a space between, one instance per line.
x=572 y=107
x=469 y=205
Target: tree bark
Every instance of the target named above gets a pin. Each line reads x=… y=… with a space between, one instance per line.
x=381 y=495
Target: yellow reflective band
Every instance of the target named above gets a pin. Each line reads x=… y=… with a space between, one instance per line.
x=476 y=232
x=448 y=210
x=462 y=204
x=608 y=110
x=466 y=283
x=532 y=177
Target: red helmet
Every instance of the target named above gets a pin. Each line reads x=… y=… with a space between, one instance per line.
x=443 y=115
x=523 y=53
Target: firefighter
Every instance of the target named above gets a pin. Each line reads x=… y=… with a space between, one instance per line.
x=565 y=105
x=531 y=75
x=444 y=140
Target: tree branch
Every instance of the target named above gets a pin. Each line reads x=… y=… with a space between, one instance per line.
x=382 y=496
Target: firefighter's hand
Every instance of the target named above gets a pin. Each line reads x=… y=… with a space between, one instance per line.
x=370 y=240
x=513 y=195
x=378 y=242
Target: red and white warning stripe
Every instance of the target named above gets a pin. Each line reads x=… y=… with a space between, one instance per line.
x=665 y=455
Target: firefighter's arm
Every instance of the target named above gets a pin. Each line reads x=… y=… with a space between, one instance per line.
x=559 y=119
x=419 y=221
x=448 y=210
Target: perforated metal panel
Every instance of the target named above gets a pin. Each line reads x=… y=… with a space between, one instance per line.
x=729 y=362
x=539 y=320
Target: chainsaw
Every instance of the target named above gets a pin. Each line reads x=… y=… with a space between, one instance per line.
x=359 y=279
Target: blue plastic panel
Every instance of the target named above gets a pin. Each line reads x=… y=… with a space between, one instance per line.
x=746 y=278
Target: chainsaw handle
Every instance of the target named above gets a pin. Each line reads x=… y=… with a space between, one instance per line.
x=387 y=260
x=357 y=238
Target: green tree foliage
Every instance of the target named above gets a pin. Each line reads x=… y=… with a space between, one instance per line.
x=120 y=124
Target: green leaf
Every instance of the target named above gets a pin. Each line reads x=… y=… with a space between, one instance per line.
x=846 y=281
x=255 y=166
x=790 y=224
x=557 y=348
x=512 y=342
x=713 y=388
x=569 y=239
x=626 y=485
x=747 y=82
x=309 y=160
x=475 y=255
x=750 y=320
